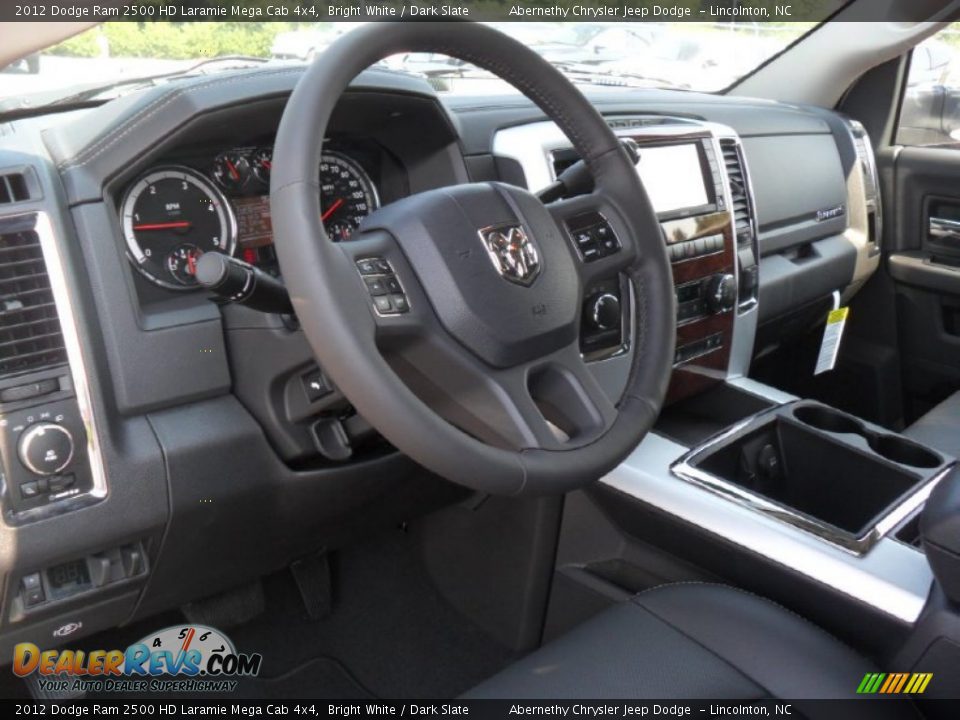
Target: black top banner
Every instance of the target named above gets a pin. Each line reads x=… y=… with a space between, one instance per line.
x=749 y=11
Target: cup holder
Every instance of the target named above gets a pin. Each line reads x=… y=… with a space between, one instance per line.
x=828 y=420
x=902 y=451
x=892 y=447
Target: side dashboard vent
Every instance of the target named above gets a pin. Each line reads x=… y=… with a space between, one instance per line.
x=13 y=188
x=871 y=178
x=861 y=143
x=739 y=196
x=30 y=334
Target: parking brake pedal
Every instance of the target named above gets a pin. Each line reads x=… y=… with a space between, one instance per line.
x=312 y=575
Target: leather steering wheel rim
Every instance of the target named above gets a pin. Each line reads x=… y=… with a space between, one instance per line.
x=324 y=284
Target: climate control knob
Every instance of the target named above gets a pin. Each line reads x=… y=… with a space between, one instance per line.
x=603 y=311
x=721 y=293
x=46 y=448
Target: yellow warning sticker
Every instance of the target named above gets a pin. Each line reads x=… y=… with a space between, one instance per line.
x=832 y=334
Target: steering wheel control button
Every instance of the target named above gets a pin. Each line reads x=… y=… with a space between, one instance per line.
x=383 y=286
x=315 y=385
x=605 y=312
x=367 y=267
x=46 y=448
x=593 y=236
x=376 y=285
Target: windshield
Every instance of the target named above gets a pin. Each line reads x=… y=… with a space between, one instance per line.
x=114 y=58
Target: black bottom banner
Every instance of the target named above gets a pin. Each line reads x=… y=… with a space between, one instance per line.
x=492 y=709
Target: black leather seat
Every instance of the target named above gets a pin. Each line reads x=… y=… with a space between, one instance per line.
x=939 y=428
x=689 y=641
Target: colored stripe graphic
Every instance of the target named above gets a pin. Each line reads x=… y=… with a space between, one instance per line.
x=894 y=683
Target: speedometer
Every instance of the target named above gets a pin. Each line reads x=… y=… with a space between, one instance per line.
x=347 y=195
x=171 y=216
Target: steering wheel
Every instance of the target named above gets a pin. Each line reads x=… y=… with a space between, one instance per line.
x=476 y=372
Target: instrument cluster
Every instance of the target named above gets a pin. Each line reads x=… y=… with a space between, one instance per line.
x=172 y=214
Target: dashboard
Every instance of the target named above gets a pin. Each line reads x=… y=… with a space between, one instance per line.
x=192 y=422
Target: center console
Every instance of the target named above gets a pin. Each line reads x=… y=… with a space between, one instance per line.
x=832 y=475
x=697 y=181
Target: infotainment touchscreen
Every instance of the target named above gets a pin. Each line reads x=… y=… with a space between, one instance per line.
x=673 y=176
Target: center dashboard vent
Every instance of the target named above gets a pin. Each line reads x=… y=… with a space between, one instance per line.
x=30 y=334
x=739 y=196
x=741 y=205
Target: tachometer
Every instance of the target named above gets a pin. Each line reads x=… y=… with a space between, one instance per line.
x=170 y=217
x=347 y=195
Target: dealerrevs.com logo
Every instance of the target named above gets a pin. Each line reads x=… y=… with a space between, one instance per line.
x=192 y=658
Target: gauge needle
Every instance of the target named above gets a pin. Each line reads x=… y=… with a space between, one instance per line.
x=332 y=209
x=233 y=170
x=192 y=264
x=163 y=226
x=266 y=164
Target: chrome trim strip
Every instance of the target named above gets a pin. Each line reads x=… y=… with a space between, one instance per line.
x=875 y=204
x=685 y=469
x=892 y=577
x=75 y=358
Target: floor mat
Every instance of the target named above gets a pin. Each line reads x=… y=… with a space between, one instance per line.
x=396 y=634
x=391 y=634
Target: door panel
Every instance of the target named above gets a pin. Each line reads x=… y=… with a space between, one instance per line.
x=924 y=263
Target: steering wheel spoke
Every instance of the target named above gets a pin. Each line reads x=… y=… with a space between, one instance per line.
x=600 y=241
x=551 y=403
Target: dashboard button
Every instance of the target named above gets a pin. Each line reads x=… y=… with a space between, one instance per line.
x=29 y=489
x=393 y=285
x=315 y=385
x=46 y=448
x=382 y=265
x=383 y=304
x=132 y=558
x=31 y=581
x=31 y=390
x=60 y=483
x=32 y=589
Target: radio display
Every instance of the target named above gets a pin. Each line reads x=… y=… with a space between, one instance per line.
x=673 y=176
